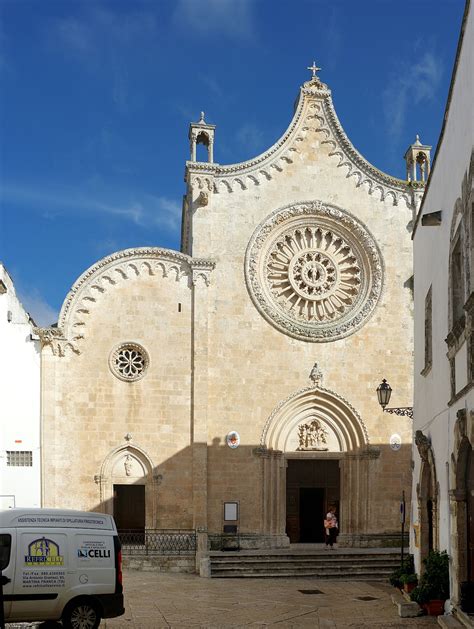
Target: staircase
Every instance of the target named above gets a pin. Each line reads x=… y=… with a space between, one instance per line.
x=307 y=560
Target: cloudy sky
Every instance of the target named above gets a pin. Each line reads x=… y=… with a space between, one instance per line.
x=96 y=98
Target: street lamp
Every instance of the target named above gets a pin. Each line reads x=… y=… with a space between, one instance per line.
x=384 y=391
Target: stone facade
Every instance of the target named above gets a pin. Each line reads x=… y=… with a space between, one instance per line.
x=443 y=476
x=302 y=254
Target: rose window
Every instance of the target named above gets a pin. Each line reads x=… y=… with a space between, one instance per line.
x=129 y=361
x=314 y=271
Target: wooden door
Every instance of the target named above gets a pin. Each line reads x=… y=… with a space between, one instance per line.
x=129 y=507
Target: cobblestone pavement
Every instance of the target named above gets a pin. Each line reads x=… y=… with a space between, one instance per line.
x=156 y=600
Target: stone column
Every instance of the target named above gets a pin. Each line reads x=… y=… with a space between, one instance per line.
x=274 y=498
x=199 y=393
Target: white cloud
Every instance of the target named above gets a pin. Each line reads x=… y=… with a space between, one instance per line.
x=145 y=211
x=43 y=314
x=167 y=212
x=232 y=18
x=416 y=83
x=250 y=137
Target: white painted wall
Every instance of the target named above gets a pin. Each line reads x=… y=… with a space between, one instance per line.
x=431 y=265
x=19 y=399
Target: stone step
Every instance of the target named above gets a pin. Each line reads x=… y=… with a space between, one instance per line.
x=315 y=563
x=311 y=559
x=355 y=576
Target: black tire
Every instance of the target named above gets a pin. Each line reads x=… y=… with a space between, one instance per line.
x=81 y=614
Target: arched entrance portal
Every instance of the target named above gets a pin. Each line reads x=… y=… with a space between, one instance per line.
x=315 y=452
x=427 y=494
x=127 y=488
x=462 y=497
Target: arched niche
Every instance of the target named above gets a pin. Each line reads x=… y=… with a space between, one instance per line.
x=129 y=465
x=345 y=429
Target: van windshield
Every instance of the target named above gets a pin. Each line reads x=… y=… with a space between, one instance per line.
x=5 y=547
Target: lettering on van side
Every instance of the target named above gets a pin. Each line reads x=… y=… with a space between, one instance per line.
x=93 y=553
x=45 y=553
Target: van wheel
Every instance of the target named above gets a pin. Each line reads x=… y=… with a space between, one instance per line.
x=81 y=615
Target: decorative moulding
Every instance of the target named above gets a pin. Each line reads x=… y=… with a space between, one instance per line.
x=321 y=399
x=116 y=268
x=314 y=113
x=314 y=271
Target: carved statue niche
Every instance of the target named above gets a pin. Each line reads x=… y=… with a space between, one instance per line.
x=312 y=436
x=423 y=444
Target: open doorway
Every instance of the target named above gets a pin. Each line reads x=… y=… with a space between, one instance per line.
x=311 y=487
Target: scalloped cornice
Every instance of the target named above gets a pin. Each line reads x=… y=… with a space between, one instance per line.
x=109 y=271
x=314 y=113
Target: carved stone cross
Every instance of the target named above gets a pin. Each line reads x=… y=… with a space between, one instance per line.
x=314 y=68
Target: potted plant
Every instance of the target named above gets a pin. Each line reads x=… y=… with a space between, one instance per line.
x=433 y=589
x=409 y=582
x=407 y=567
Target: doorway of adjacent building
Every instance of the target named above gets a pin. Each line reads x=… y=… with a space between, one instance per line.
x=312 y=485
x=129 y=508
x=470 y=516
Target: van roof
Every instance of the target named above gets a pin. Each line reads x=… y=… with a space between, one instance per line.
x=56 y=518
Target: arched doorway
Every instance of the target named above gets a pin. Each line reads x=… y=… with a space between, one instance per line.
x=427 y=494
x=462 y=497
x=315 y=452
x=127 y=488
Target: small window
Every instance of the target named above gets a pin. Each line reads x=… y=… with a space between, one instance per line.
x=19 y=458
x=457 y=279
x=5 y=548
x=428 y=331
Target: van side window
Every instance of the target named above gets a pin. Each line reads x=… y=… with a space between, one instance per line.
x=5 y=547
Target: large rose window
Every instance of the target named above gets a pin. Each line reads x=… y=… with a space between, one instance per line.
x=314 y=271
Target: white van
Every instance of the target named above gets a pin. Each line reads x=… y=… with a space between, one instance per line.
x=60 y=565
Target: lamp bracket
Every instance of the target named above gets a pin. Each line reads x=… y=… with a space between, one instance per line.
x=404 y=411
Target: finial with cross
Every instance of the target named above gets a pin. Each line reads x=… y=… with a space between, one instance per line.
x=314 y=68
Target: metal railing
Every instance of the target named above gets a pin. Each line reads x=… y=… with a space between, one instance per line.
x=157 y=541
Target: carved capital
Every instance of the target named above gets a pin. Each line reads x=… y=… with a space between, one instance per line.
x=55 y=339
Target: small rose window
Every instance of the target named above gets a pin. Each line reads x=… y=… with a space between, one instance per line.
x=129 y=361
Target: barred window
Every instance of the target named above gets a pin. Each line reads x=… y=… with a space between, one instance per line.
x=20 y=458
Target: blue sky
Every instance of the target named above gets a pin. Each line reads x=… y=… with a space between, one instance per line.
x=96 y=98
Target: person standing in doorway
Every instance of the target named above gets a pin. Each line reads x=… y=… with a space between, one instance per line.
x=331 y=527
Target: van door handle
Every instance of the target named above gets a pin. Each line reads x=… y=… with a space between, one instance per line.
x=5 y=580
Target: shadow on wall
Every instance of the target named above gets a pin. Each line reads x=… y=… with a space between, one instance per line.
x=258 y=491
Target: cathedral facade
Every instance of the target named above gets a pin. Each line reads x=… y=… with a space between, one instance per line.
x=230 y=386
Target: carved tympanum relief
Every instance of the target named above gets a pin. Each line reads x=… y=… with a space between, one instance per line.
x=314 y=271
x=312 y=436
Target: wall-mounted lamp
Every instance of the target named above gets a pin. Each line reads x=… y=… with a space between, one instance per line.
x=384 y=391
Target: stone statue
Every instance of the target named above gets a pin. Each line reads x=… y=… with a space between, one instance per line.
x=423 y=444
x=128 y=464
